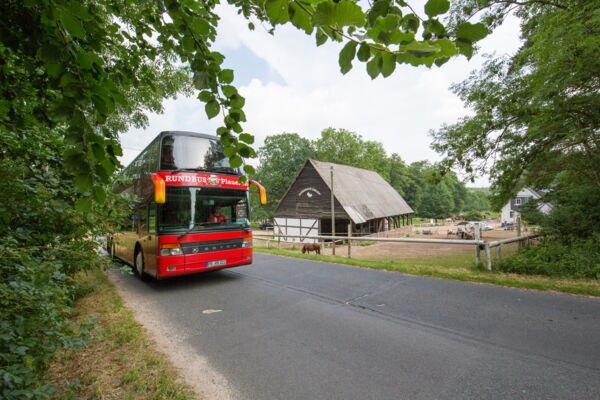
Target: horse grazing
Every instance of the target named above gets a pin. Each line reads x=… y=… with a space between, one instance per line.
x=308 y=247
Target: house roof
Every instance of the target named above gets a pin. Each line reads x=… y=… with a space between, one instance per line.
x=363 y=194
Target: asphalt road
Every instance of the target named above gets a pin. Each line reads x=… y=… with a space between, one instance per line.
x=294 y=329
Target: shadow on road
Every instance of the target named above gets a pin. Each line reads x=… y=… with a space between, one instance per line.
x=192 y=281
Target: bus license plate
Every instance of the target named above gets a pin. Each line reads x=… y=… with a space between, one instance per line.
x=215 y=263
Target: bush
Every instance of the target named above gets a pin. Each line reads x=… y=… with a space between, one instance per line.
x=577 y=258
x=44 y=241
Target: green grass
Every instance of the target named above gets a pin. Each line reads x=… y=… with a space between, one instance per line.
x=120 y=361
x=460 y=267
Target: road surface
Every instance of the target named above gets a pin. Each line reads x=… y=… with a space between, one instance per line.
x=286 y=328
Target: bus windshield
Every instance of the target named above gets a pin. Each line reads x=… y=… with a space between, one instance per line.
x=180 y=152
x=197 y=209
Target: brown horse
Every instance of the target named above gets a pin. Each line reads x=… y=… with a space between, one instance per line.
x=308 y=247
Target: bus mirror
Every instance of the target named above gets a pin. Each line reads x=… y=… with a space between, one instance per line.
x=160 y=190
x=262 y=193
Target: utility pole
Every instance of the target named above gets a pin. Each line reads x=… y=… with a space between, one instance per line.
x=332 y=215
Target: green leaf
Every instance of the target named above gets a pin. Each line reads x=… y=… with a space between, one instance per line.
x=435 y=26
x=200 y=26
x=99 y=194
x=410 y=22
x=249 y=169
x=300 y=18
x=364 y=52
x=471 y=32
x=188 y=44
x=379 y=9
x=388 y=64
x=247 y=138
x=229 y=90
x=212 y=109
x=347 y=13
x=99 y=153
x=229 y=151
x=320 y=37
x=237 y=101
x=205 y=96
x=436 y=7
x=235 y=161
x=83 y=182
x=277 y=11
x=84 y=204
x=447 y=48
x=343 y=13
x=226 y=76
x=324 y=13
x=421 y=49
x=346 y=56
x=72 y=25
x=465 y=48
x=374 y=66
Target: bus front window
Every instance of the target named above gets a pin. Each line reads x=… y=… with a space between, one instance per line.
x=198 y=209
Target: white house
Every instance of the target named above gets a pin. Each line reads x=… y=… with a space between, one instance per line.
x=514 y=204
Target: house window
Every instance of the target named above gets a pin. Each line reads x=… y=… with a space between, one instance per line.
x=512 y=214
x=518 y=201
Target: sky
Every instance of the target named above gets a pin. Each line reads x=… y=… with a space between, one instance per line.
x=291 y=85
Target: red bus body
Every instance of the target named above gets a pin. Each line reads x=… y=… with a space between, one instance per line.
x=158 y=229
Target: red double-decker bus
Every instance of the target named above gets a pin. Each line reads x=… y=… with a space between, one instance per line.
x=191 y=212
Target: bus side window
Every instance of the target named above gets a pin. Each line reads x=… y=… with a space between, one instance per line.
x=142 y=226
x=152 y=219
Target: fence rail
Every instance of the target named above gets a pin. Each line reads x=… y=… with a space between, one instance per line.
x=479 y=244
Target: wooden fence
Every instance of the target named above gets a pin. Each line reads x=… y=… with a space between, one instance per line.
x=478 y=244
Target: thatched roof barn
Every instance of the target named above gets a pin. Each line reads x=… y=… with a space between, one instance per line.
x=362 y=198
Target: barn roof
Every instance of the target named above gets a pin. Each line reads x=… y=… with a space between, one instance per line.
x=363 y=194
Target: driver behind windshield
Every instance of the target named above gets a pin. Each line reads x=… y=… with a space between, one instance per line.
x=217 y=216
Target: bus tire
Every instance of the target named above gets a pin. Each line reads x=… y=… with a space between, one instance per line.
x=138 y=264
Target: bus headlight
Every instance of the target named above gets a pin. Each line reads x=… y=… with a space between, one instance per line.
x=170 y=249
x=247 y=243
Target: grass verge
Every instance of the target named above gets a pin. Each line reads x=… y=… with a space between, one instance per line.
x=120 y=361
x=459 y=267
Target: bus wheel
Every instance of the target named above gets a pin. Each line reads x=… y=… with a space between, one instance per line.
x=139 y=263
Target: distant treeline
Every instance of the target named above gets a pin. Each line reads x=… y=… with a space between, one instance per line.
x=429 y=193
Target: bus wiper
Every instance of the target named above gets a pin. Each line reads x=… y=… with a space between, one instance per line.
x=186 y=232
x=191 y=229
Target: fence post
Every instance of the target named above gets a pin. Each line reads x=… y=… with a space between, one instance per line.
x=268 y=243
x=488 y=256
x=278 y=242
x=499 y=252
x=349 y=237
x=519 y=229
x=478 y=237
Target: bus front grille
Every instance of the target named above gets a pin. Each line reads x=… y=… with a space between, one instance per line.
x=212 y=245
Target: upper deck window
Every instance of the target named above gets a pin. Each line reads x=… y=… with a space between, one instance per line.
x=180 y=152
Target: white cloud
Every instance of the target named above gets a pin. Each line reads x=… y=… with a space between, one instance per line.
x=398 y=111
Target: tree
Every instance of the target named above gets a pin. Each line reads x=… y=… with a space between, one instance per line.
x=477 y=200
x=340 y=146
x=436 y=202
x=399 y=174
x=537 y=114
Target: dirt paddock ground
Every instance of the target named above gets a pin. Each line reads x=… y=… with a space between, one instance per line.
x=390 y=251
